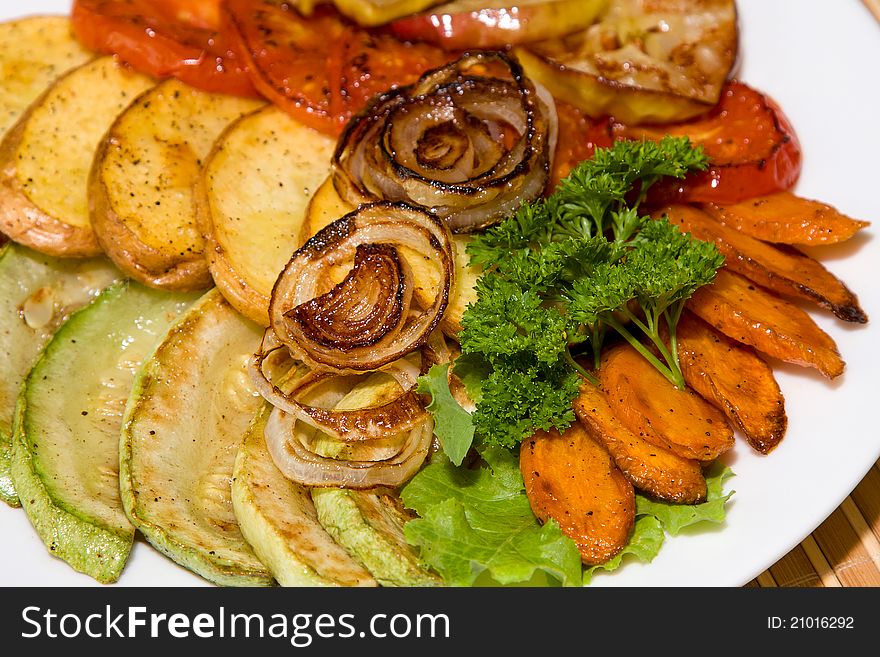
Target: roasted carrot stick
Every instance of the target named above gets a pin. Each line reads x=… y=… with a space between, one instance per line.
x=571 y=478
x=649 y=405
x=649 y=468
x=745 y=312
x=734 y=378
x=790 y=272
x=787 y=219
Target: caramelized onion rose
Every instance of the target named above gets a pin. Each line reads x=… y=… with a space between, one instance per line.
x=369 y=319
x=470 y=141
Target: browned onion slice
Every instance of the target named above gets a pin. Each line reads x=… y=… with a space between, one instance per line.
x=299 y=464
x=367 y=321
x=470 y=141
x=301 y=395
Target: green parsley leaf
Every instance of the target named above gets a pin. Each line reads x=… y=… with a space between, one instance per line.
x=521 y=396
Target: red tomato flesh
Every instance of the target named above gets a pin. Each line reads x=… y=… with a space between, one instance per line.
x=164 y=38
x=322 y=69
x=753 y=149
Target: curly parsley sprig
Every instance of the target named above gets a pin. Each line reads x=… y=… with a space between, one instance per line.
x=564 y=270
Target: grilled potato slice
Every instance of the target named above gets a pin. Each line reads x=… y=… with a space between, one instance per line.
x=140 y=186
x=65 y=463
x=251 y=201
x=189 y=408
x=37 y=294
x=644 y=61
x=46 y=156
x=34 y=51
x=571 y=478
x=279 y=520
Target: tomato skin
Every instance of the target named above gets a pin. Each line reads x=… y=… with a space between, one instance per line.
x=752 y=145
x=322 y=69
x=579 y=136
x=164 y=38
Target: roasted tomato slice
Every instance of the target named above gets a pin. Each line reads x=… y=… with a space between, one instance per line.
x=752 y=146
x=164 y=38
x=579 y=136
x=321 y=69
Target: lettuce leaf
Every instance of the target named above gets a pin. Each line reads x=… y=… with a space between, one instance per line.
x=478 y=520
x=675 y=517
x=656 y=519
x=452 y=424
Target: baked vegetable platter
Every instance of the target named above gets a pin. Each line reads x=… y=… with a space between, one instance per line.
x=419 y=293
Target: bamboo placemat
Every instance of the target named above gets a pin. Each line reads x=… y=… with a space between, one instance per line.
x=843 y=551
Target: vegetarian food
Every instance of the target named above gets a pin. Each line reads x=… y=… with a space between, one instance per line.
x=493 y=285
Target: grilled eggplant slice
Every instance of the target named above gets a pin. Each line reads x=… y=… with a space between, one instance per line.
x=66 y=441
x=251 y=203
x=189 y=407
x=54 y=141
x=644 y=61
x=37 y=294
x=140 y=186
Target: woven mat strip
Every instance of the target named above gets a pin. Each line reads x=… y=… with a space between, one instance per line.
x=843 y=551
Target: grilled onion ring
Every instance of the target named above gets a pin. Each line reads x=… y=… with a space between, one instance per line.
x=398 y=415
x=299 y=464
x=367 y=321
x=470 y=141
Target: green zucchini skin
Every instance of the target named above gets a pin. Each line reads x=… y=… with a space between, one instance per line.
x=68 y=418
x=279 y=520
x=189 y=408
x=37 y=294
x=369 y=525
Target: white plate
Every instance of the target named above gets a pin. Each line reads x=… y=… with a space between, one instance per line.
x=818 y=60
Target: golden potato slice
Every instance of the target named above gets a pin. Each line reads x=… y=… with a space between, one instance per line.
x=571 y=478
x=46 y=156
x=251 y=201
x=644 y=61
x=648 y=404
x=325 y=207
x=34 y=51
x=140 y=187
x=649 y=468
x=734 y=378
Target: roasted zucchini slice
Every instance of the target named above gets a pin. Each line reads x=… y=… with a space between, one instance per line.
x=37 y=294
x=644 y=61
x=279 y=520
x=189 y=407
x=65 y=463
